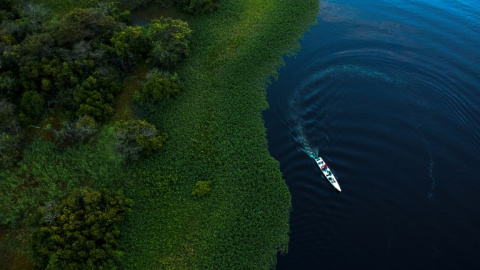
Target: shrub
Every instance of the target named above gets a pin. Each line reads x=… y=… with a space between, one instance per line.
x=33 y=17
x=202 y=188
x=159 y=85
x=112 y=9
x=81 y=232
x=8 y=84
x=85 y=24
x=137 y=138
x=95 y=97
x=129 y=45
x=36 y=46
x=32 y=104
x=78 y=131
x=171 y=41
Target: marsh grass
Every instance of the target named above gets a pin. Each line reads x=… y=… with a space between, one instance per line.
x=216 y=134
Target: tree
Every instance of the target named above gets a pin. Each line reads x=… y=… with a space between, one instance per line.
x=32 y=104
x=33 y=17
x=129 y=45
x=85 y=24
x=81 y=232
x=78 y=131
x=8 y=84
x=137 y=138
x=95 y=97
x=36 y=46
x=171 y=41
x=159 y=85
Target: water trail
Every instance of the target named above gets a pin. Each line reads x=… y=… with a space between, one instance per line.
x=296 y=126
x=334 y=72
x=303 y=143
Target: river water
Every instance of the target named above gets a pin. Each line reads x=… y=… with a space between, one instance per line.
x=388 y=93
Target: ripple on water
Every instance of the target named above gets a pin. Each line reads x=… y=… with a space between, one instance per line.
x=387 y=92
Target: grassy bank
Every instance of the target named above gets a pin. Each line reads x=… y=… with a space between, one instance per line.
x=217 y=135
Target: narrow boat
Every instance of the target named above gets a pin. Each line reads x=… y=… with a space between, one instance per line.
x=328 y=173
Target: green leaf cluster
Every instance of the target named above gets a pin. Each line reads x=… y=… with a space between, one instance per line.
x=86 y=24
x=76 y=131
x=159 y=86
x=202 y=188
x=170 y=41
x=95 y=97
x=81 y=232
x=137 y=138
x=129 y=45
x=33 y=103
x=59 y=63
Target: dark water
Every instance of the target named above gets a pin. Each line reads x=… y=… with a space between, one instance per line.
x=388 y=93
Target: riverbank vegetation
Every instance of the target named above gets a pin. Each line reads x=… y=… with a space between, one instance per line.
x=208 y=197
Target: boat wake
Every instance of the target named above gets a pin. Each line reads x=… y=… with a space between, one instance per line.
x=299 y=123
x=296 y=125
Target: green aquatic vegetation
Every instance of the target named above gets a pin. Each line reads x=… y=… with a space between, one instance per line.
x=216 y=132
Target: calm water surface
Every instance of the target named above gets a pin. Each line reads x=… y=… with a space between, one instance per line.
x=388 y=93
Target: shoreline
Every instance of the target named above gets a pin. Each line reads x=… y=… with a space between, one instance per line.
x=218 y=134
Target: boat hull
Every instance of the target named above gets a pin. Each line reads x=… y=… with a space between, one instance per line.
x=328 y=173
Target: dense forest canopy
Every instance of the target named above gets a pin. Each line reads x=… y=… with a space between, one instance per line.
x=72 y=65
x=70 y=68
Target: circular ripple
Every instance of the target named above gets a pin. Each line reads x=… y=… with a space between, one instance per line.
x=388 y=97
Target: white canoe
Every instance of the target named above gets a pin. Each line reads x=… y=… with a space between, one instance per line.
x=328 y=173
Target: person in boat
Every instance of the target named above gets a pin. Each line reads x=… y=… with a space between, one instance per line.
x=324 y=166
